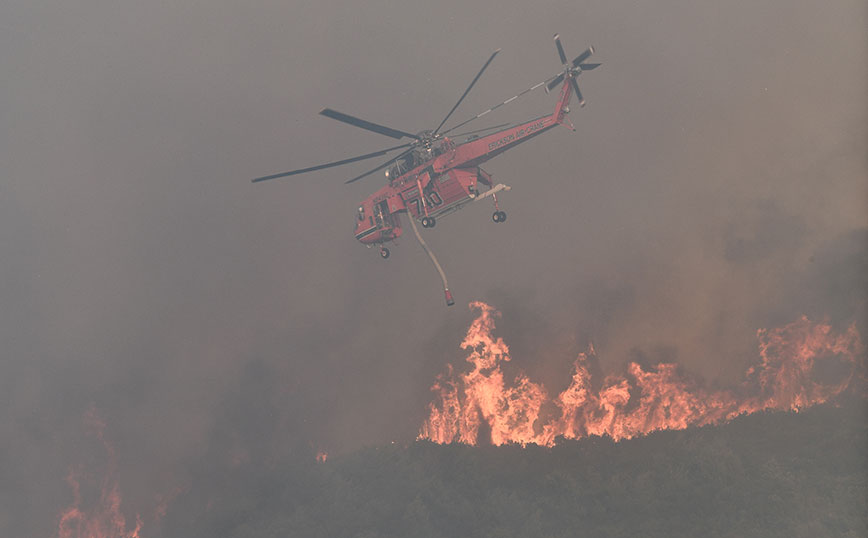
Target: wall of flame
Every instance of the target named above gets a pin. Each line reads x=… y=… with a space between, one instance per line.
x=801 y=364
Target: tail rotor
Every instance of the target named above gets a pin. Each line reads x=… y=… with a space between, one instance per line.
x=572 y=69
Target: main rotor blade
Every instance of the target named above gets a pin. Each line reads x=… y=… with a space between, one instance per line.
x=583 y=56
x=377 y=128
x=377 y=169
x=329 y=165
x=557 y=80
x=578 y=91
x=588 y=67
x=437 y=130
x=561 y=52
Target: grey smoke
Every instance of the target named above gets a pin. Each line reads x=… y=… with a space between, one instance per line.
x=716 y=183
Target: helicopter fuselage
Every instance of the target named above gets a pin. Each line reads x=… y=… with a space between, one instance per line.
x=447 y=182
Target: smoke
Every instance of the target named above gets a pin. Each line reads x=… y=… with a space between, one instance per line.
x=714 y=185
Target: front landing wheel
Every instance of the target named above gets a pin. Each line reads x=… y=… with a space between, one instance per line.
x=384 y=252
x=499 y=216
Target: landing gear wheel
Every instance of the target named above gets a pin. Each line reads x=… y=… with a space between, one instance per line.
x=428 y=222
x=503 y=216
x=499 y=216
x=384 y=252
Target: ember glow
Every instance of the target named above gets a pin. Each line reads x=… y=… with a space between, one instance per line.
x=801 y=364
x=100 y=517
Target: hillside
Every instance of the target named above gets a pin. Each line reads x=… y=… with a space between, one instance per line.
x=769 y=474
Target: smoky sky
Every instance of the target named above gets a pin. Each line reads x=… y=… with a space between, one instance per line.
x=715 y=184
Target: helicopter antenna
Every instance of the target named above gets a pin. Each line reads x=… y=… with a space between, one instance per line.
x=493 y=54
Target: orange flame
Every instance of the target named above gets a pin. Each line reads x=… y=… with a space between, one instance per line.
x=788 y=376
x=104 y=519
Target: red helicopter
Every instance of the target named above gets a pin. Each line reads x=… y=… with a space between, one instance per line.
x=435 y=175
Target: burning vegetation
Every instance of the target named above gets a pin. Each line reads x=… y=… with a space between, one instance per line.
x=96 y=514
x=509 y=459
x=96 y=510
x=800 y=365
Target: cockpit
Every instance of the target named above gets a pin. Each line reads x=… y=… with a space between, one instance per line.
x=416 y=157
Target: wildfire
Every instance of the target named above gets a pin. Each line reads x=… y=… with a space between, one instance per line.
x=104 y=518
x=801 y=364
